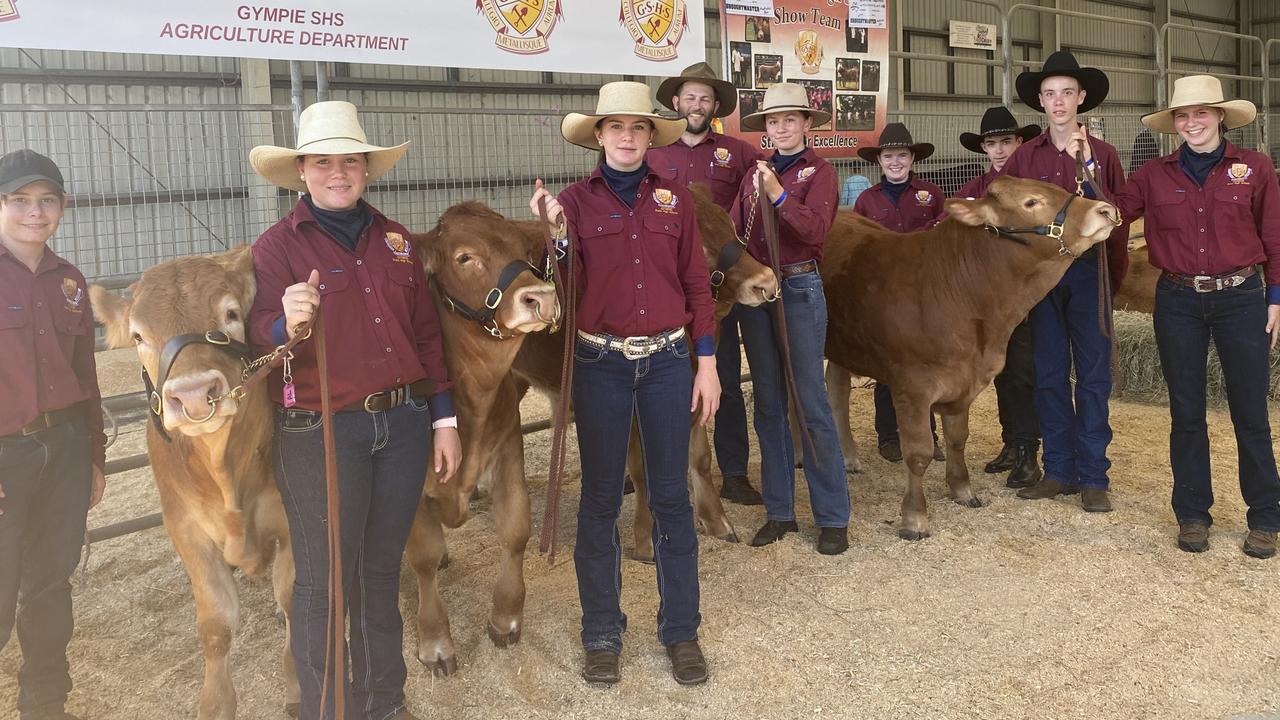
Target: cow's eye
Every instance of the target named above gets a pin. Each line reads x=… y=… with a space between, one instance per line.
x=233 y=316
x=463 y=259
x=1030 y=202
x=137 y=339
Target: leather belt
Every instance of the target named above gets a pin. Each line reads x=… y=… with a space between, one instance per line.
x=799 y=268
x=636 y=346
x=53 y=418
x=1213 y=283
x=392 y=398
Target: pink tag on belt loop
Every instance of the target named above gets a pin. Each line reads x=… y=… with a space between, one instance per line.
x=290 y=398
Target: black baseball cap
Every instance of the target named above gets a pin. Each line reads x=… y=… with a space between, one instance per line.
x=22 y=167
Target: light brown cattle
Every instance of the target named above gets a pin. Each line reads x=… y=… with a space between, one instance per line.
x=1138 y=293
x=221 y=508
x=747 y=282
x=465 y=255
x=930 y=313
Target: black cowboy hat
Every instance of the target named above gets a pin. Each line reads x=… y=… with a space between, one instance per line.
x=997 y=121
x=896 y=135
x=1062 y=63
x=701 y=72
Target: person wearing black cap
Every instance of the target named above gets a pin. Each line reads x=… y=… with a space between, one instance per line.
x=998 y=137
x=900 y=202
x=52 y=448
x=1065 y=324
x=720 y=162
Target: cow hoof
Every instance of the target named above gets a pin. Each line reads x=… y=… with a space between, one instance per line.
x=281 y=620
x=644 y=557
x=732 y=537
x=444 y=562
x=292 y=709
x=972 y=502
x=913 y=535
x=503 y=640
x=441 y=667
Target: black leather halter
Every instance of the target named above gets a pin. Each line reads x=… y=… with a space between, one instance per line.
x=169 y=354
x=728 y=257
x=492 y=300
x=1053 y=229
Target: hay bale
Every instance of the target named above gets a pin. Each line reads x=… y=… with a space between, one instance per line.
x=1139 y=378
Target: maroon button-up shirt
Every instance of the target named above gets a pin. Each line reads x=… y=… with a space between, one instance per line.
x=379 y=316
x=977 y=187
x=804 y=217
x=1230 y=223
x=640 y=271
x=719 y=161
x=1039 y=159
x=918 y=209
x=46 y=346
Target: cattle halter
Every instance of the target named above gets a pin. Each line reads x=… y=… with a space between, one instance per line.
x=169 y=354
x=1052 y=230
x=730 y=253
x=485 y=317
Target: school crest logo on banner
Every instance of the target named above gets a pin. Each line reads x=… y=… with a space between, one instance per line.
x=400 y=247
x=523 y=26
x=722 y=157
x=655 y=25
x=666 y=200
x=924 y=197
x=1239 y=173
x=8 y=10
x=74 y=294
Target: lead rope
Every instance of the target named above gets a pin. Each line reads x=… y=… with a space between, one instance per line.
x=773 y=246
x=564 y=281
x=335 y=635
x=1106 y=319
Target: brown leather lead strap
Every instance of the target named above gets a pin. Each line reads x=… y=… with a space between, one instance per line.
x=773 y=245
x=564 y=281
x=1106 y=321
x=335 y=634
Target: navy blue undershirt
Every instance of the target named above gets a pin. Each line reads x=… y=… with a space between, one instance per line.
x=1196 y=165
x=895 y=190
x=624 y=183
x=344 y=226
x=782 y=162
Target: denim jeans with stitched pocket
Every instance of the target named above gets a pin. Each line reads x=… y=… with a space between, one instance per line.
x=608 y=391
x=382 y=466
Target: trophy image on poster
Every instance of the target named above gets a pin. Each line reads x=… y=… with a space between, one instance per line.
x=809 y=51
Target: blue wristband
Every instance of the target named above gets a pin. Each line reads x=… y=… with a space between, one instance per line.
x=780 y=199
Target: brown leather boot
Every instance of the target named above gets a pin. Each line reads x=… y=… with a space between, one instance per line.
x=1095 y=500
x=688 y=666
x=1045 y=489
x=1193 y=537
x=601 y=666
x=1260 y=544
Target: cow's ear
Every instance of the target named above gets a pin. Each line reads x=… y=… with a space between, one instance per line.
x=112 y=311
x=969 y=212
x=424 y=246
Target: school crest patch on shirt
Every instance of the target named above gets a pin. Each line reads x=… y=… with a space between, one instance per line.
x=924 y=197
x=74 y=294
x=1239 y=173
x=666 y=200
x=805 y=173
x=400 y=247
x=722 y=157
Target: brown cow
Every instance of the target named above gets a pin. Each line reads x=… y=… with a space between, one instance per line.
x=1139 y=290
x=930 y=313
x=465 y=255
x=221 y=508
x=747 y=282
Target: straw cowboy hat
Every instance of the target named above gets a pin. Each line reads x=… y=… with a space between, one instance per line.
x=1201 y=90
x=620 y=98
x=782 y=97
x=1063 y=64
x=726 y=95
x=896 y=135
x=997 y=121
x=324 y=128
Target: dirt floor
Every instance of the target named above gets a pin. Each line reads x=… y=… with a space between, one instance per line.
x=1015 y=610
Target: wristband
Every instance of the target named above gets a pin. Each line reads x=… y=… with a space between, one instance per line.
x=781 y=199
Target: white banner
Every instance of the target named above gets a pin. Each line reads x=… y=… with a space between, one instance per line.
x=631 y=37
x=757 y=8
x=979 y=36
x=867 y=13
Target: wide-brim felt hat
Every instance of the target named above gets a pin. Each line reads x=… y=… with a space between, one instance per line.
x=997 y=121
x=783 y=97
x=1204 y=90
x=725 y=92
x=623 y=97
x=896 y=135
x=324 y=128
x=1093 y=81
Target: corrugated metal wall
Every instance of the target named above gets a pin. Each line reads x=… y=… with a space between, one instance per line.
x=156 y=147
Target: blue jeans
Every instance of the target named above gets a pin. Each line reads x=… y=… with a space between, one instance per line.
x=1184 y=321
x=806 y=310
x=608 y=390
x=46 y=479
x=382 y=466
x=1065 y=329
x=732 y=448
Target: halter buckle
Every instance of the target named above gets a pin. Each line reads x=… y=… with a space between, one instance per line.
x=217 y=337
x=717 y=279
x=493 y=299
x=1055 y=231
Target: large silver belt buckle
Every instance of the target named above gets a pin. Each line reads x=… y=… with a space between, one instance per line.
x=634 y=348
x=1213 y=283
